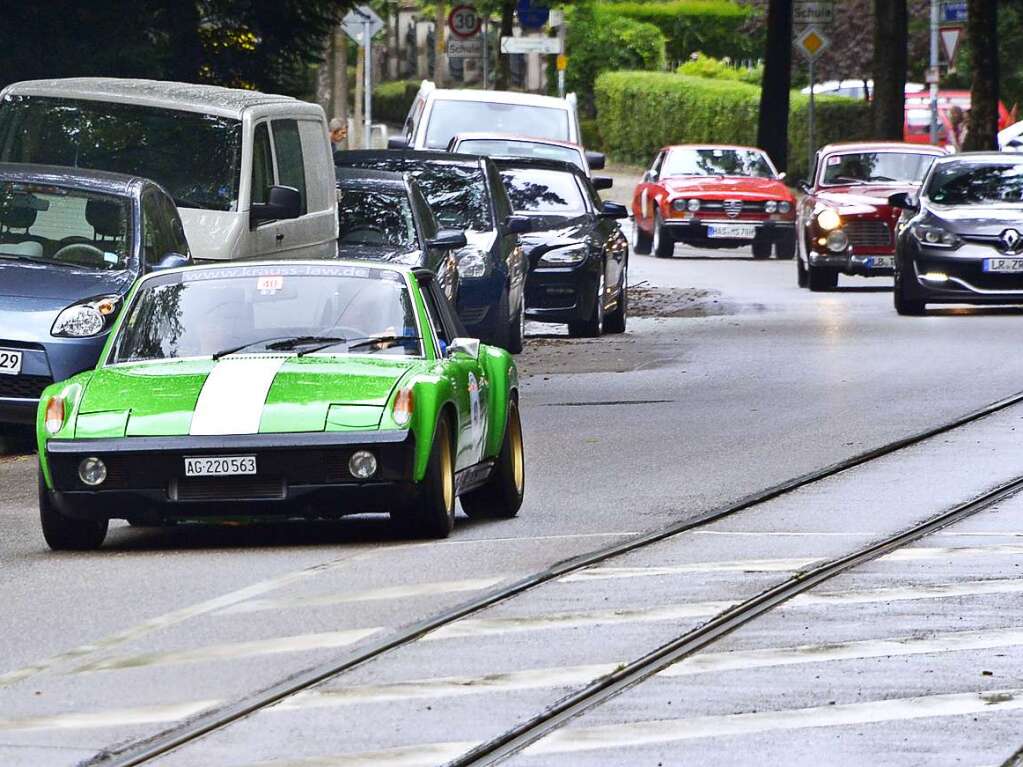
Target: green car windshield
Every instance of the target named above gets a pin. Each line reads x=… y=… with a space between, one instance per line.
x=64 y=227
x=254 y=310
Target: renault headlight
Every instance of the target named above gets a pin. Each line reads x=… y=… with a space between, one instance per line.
x=86 y=318
x=828 y=219
x=472 y=263
x=567 y=256
x=935 y=236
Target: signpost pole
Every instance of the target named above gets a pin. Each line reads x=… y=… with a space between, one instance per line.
x=934 y=71
x=813 y=117
x=486 y=55
x=367 y=137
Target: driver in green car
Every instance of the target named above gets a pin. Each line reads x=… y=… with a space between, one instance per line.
x=304 y=389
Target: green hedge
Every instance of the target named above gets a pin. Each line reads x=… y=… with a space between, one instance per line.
x=392 y=101
x=639 y=112
x=720 y=69
x=714 y=27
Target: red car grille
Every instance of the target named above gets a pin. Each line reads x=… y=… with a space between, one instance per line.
x=869 y=234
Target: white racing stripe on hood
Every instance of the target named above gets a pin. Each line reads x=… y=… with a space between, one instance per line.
x=232 y=399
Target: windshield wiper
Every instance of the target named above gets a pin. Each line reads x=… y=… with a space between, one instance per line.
x=361 y=343
x=277 y=343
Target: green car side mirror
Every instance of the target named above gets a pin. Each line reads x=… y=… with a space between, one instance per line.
x=469 y=347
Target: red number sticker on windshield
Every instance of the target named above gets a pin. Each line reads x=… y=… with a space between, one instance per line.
x=269 y=285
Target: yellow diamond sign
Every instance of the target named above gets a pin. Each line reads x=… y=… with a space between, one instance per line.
x=812 y=43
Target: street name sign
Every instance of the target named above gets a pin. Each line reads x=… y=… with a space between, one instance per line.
x=355 y=19
x=812 y=43
x=547 y=45
x=464 y=22
x=954 y=12
x=813 y=12
x=471 y=48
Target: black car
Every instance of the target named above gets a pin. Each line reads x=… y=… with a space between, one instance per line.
x=578 y=256
x=72 y=242
x=385 y=217
x=961 y=240
x=465 y=193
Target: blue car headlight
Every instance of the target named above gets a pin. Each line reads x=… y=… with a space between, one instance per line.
x=566 y=256
x=934 y=236
x=472 y=263
x=86 y=318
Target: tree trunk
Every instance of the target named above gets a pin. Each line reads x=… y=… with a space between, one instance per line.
x=501 y=72
x=982 y=35
x=891 y=41
x=773 y=122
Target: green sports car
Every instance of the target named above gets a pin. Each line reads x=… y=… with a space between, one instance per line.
x=303 y=389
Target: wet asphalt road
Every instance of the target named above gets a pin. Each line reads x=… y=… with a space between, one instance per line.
x=733 y=381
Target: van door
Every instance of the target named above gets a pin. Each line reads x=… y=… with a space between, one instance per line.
x=262 y=242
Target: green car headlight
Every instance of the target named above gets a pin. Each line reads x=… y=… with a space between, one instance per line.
x=567 y=256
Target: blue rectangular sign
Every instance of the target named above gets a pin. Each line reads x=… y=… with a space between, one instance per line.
x=953 y=12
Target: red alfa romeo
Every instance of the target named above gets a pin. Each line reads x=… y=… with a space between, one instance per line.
x=713 y=197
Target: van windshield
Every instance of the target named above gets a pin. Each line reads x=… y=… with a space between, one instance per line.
x=195 y=157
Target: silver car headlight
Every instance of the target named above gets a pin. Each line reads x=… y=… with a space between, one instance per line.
x=784 y=207
x=567 y=256
x=771 y=206
x=472 y=263
x=679 y=204
x=86 y=318
x=935 y=236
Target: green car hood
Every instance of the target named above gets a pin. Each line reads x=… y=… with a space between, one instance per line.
x=242 y=394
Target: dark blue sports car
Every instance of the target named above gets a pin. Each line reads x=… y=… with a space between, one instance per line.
x=71 y=244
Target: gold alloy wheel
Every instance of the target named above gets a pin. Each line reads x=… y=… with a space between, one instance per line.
x=449 y=477
x=518 y=462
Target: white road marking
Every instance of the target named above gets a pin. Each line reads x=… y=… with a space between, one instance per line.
x=631 y=734
x=472 y=627
x=424 y=755
x=232 y=398
x=234 y=650
x=390 y=592
x=111 y=718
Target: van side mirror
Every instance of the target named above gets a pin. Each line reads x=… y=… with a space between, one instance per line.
x=518 y=224
x=596 y=160
x=469 y=347
x=447 y=239
x=397 y=142
x=904 y=200
x=602 y=182
x=172 y=260
x=283 y=202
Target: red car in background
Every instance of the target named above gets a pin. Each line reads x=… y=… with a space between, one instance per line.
x=713 y=196
x=845 y=223
x=918 y=116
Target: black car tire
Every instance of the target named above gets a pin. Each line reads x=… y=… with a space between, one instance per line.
x=516 y=329
x=63 y=533
x=641 y=241
x=762 y=250
x=820 y=278
x=663 y=242
x=802 y=278
x=432 y=514
x=593 y=327
x=905 y=306
x=615 y=321
x=501 y=496
x=785 y=248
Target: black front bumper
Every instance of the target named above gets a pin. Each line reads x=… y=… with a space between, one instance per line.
x=695 y=232
x=304 y=474
x=562 y=294
x=965 y=281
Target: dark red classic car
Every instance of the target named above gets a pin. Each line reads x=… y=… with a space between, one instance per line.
x=713 y=197
x=845 y=222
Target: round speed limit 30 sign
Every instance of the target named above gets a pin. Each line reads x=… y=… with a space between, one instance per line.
x=463 y=21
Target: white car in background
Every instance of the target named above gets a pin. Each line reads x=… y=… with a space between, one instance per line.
x=1011 y=139
x=511 y=145
x=854 y=89
x=438 y=114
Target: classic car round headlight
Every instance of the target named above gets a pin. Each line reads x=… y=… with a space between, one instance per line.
x=362 y=464
x=694 y=205
x=838 y=241
x=784 y=207
x=828 y=219
x=771 y=206
x=92 y=471
x=679 y=204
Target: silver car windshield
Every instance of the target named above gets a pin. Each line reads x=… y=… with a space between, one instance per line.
x=967 y=183
x=496 y=147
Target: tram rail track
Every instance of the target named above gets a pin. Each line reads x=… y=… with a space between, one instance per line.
x=513 y=740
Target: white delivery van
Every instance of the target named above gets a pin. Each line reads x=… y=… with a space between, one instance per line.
x=252 y=174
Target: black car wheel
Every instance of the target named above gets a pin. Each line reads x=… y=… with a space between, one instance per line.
x=761 y=250
x=64 y=533
x=820 y=278
x=785 y=248
x=616 y=320
x=801 y=276
x=432 y=515
x=907 y=307
x=663 y=242
x=592 y=327
x=501 y=496
x=641 y=241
